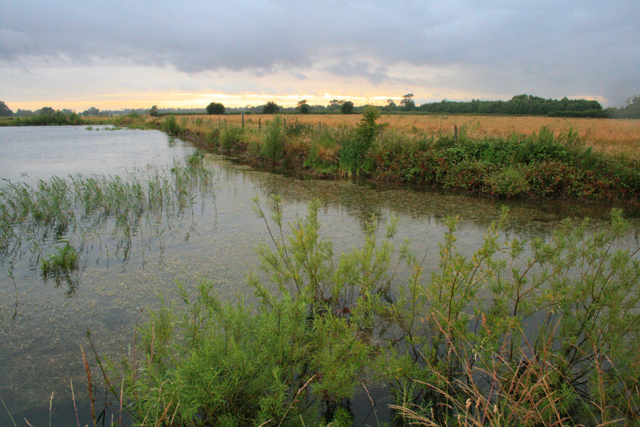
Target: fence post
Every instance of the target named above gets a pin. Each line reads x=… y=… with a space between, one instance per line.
x=259 y=124
x=455 y=133
x=243 y=120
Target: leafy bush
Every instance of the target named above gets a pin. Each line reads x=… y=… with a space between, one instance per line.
x=495 y=338
x=231 y=137
x=509 y=182
x=324 y=149
x=353 y=154
x=170 y=126
x=274 y=140
x=469 y=175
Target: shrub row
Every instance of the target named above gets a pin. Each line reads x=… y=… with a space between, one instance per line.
x=542 y=164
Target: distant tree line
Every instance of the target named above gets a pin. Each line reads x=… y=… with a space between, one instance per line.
x=629 y=111
x=42 y=117
x=522 y=105
x=525 y=105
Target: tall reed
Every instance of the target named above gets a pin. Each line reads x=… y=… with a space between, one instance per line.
x=57 y=208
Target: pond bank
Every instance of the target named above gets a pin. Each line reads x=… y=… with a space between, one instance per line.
x=539 y=166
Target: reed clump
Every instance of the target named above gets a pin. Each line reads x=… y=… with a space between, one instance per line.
x=33 y=216
x=520 y=333
x=64 y=260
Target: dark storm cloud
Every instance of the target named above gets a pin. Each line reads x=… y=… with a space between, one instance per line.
x=554 y=47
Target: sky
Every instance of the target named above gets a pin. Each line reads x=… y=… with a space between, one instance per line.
x=122 y=54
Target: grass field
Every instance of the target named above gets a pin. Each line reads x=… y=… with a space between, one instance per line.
x=611 y=136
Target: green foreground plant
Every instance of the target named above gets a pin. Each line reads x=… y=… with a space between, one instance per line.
x=519 y=333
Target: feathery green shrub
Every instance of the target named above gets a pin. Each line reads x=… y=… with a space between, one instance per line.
x=518 y=333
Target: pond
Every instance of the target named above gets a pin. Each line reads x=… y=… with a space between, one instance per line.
x=43 y=322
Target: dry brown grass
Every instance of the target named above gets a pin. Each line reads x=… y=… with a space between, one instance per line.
x=616 y=137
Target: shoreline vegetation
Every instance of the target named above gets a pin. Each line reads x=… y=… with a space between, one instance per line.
x=528 y=157
x=582 y=160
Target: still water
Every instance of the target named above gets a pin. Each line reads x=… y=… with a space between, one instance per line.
x=43 y=324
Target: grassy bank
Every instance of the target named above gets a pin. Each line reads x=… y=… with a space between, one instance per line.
x=55 y=118
x=489 y=339
x=587 y=160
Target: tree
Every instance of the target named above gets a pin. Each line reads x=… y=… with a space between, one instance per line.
x=216 y=108
x=368 y=128
x=407 y=102
x=153 y=112
x=347 y=107
x=45 y=111
x=335 y=104
x=271 y=108
x=303 y=107
x=273 y=147
x=4 y=110
x=24 y=113
x=93 y=111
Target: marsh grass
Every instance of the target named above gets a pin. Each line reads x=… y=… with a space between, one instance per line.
x=60 y=264
x=32 y=216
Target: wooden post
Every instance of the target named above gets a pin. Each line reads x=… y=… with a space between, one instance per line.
x=218 y=121
x=319 y=125
x=455 y=133
x=243 y=120
x=225 y=122
x=259 y=123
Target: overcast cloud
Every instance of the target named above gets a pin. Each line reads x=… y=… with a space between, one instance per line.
x=462 y=49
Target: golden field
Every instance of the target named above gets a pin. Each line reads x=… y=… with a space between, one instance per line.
x=611 y=136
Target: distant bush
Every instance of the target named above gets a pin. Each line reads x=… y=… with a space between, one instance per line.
x=215 y=108
x=271 y=108
x=347 y=107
